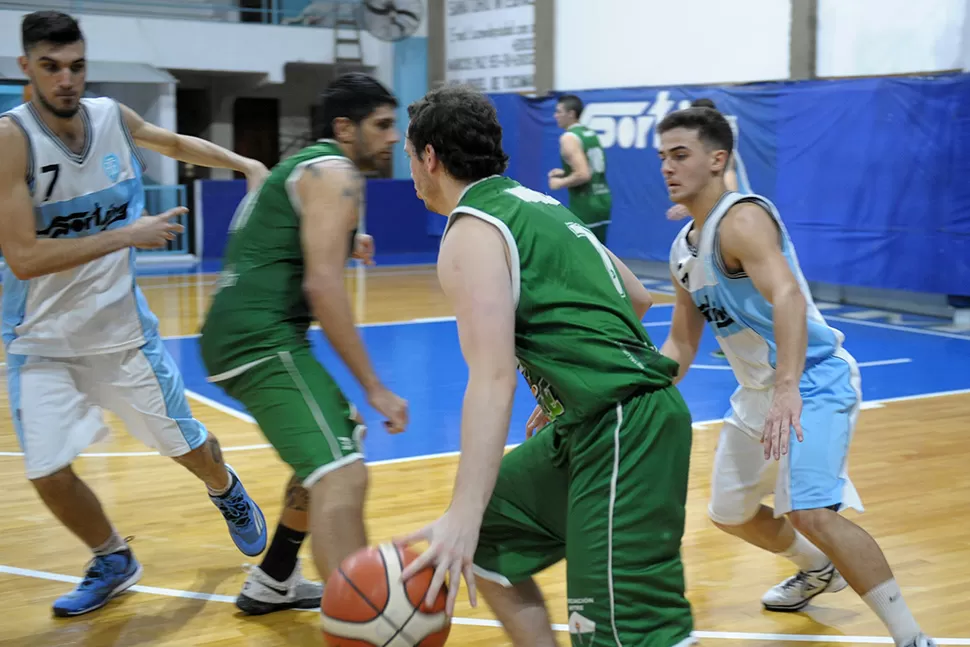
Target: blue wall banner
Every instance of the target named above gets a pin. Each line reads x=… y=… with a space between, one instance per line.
x=394 y=216
x=870 y=175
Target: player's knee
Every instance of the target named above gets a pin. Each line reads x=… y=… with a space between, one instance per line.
x=730 y=514
x=811 y=523
x=52 y=485
x=344 y=487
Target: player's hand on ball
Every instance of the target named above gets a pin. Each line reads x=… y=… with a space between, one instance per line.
x=364 y=248
x=677 y=212
x=536 y=421
x=393 y=407
x=453 y=539
x=149 y=232
x=785 y=414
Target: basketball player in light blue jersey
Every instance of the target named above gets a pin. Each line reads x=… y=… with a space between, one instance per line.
x=77 y=330
x=793 y=414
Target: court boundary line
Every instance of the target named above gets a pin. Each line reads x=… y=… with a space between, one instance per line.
x=889 y=326
x=486 y=622
x=701 y=424
x=421 y=320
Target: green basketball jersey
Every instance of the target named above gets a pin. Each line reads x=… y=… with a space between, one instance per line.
x=578 y=341
x=590 y=201
x=260 y=308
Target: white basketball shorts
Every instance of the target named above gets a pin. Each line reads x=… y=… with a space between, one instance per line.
x=57 y=404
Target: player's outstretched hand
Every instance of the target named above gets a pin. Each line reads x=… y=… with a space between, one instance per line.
x=536 y=421
x=364 y=248
x=785 y=414
x=149 y=232
x=453 y=539
x=677 y=212
x=394 y=408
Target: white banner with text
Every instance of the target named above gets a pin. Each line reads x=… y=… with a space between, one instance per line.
x=490 y=44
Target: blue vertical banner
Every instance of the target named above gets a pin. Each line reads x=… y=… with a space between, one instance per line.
x=869 y=174
x=410 y=84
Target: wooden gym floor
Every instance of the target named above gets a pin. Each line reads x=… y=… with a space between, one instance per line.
x=908 y=461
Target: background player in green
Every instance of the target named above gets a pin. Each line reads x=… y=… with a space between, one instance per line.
x=584 y=168
x=284 y=265
x=604 y=486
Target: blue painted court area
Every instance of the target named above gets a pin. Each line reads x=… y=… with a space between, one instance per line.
x=422 y=362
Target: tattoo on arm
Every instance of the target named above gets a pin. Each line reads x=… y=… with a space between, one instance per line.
x=297 y=497
x=353 y=188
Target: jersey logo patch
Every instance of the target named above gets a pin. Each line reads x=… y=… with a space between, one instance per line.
x=714 y=314
x=83 y=221
x=112 y=166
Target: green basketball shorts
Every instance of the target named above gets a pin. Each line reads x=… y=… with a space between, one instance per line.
x=609 y=497
x=301 y=411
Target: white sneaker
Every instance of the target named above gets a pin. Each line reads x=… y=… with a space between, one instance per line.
x=796 y=592
x=921 y=640
x=262 y=594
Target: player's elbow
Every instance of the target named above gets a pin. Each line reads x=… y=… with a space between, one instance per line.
x=493 y=374
x=642 y=301
x=21 y=265
x=319 y=282
x=317 y=292
x=789 y=296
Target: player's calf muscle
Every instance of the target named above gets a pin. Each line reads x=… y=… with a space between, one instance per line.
x=337 y=515
x=206 y=463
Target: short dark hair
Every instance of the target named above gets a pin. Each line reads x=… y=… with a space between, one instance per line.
x=354 y=95
x=711 y=126
x=571 y=102
x=702 y=103
x=462 y=126
x=48 y=27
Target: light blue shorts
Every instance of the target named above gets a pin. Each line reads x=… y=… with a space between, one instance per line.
x=814 y=473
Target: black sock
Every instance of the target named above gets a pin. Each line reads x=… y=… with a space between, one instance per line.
x=280 y=559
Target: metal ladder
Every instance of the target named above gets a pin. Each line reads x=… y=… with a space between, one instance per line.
x=348 y=54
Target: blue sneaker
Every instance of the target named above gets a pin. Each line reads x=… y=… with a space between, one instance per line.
x=107 y=576
x=247 y=525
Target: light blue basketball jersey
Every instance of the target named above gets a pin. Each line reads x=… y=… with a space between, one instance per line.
x=738 y=315
x=96 y=307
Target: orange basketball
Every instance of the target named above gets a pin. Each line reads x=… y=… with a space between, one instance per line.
x=365 y=605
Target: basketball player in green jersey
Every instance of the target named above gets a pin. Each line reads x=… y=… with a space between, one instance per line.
x=605 y=484
x=284 y=265
x=584 y=168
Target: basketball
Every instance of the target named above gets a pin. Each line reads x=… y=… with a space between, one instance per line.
x=365 y=605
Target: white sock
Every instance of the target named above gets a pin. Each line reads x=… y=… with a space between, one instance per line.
x=805 y=555
x=228 y=487
x=886 y=600
x=115 y=544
